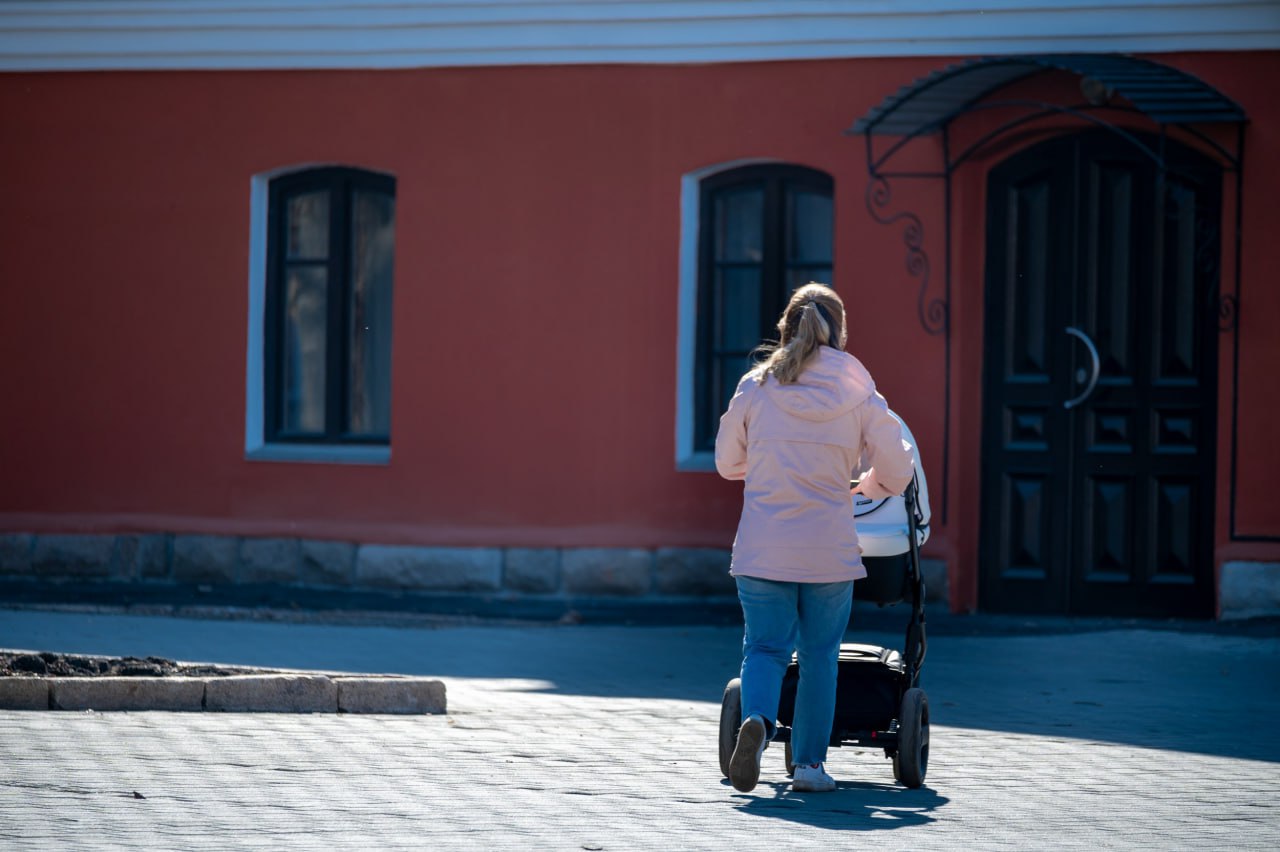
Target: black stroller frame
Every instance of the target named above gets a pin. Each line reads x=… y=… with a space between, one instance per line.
x=902 y=733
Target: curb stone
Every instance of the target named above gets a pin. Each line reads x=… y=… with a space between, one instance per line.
x=126 y=693
x=272 y=694
x=390 y=695
x=24 y=693
x=259 y=693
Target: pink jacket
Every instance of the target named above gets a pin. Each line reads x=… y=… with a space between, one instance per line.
x=797 y=446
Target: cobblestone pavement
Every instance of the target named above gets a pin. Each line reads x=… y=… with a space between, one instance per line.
x=586 y=737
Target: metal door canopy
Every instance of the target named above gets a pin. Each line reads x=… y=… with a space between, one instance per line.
x=1164 y=94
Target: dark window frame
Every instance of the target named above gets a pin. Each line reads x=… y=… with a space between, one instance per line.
x=342 y=183
x=776 y=179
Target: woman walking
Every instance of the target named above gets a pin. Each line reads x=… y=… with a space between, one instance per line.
x=798 y=426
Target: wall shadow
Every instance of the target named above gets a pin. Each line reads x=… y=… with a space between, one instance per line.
x=1206 y=691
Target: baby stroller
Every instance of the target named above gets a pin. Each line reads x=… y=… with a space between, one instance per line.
x=879 y=703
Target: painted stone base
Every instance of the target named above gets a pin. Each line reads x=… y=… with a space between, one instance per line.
x=937 y=589
x=1250 y=589
x=517 y=581
x=218 y=561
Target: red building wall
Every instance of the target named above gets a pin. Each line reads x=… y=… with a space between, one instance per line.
x=535 y=297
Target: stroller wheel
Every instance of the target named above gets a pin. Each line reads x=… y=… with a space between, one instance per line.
x=791 y=763
x=730 y=721
x=912 y=760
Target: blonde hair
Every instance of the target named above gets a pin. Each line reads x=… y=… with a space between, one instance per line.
x=806 y=324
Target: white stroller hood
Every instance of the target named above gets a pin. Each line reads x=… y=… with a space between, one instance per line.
x=882 y=524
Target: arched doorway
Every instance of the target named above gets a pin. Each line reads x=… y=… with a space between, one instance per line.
x=1099 y=407
x=1105 y=504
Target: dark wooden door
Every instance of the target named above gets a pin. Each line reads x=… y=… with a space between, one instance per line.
x=1099 y=381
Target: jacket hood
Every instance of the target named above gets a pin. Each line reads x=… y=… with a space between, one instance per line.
x=832 y=384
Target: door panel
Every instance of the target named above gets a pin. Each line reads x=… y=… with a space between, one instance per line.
x=1027 y=353
x=1111 y=267
x=1108 y=518
x=1175 y=553
x=1104 y=507
x=1023 y=465
x=1027 y=503
x=1114 y=237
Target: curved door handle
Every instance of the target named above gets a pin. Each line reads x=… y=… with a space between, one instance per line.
x=1097 y=367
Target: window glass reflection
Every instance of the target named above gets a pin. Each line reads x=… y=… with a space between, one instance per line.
x=305 y=349
x=308 y=226
x=369 y=311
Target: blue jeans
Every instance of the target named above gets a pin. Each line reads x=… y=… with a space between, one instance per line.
x=809 y=618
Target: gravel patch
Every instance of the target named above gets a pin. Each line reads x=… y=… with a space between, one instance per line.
x=48 y=664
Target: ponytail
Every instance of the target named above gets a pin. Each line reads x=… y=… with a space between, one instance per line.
x=809 y=321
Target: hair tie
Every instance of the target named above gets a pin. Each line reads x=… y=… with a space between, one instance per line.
x=831 y=326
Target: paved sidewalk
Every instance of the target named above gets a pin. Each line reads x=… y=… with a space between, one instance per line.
x=605 y=738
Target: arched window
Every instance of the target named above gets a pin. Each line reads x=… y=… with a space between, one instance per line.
x=763 y=231
x=327 y=324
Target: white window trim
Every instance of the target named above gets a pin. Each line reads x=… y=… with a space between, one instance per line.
x=687 y=459
x=256 y=448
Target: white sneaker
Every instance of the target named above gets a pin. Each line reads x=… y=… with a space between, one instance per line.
x=744 y=766
x=812 y=779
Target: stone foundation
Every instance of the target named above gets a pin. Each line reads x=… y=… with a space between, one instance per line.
x=210 y=561
x=1250 y=589
x=490 y=581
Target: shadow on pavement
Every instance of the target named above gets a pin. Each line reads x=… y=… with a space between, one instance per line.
x=1207 y=691
x=853 y=806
